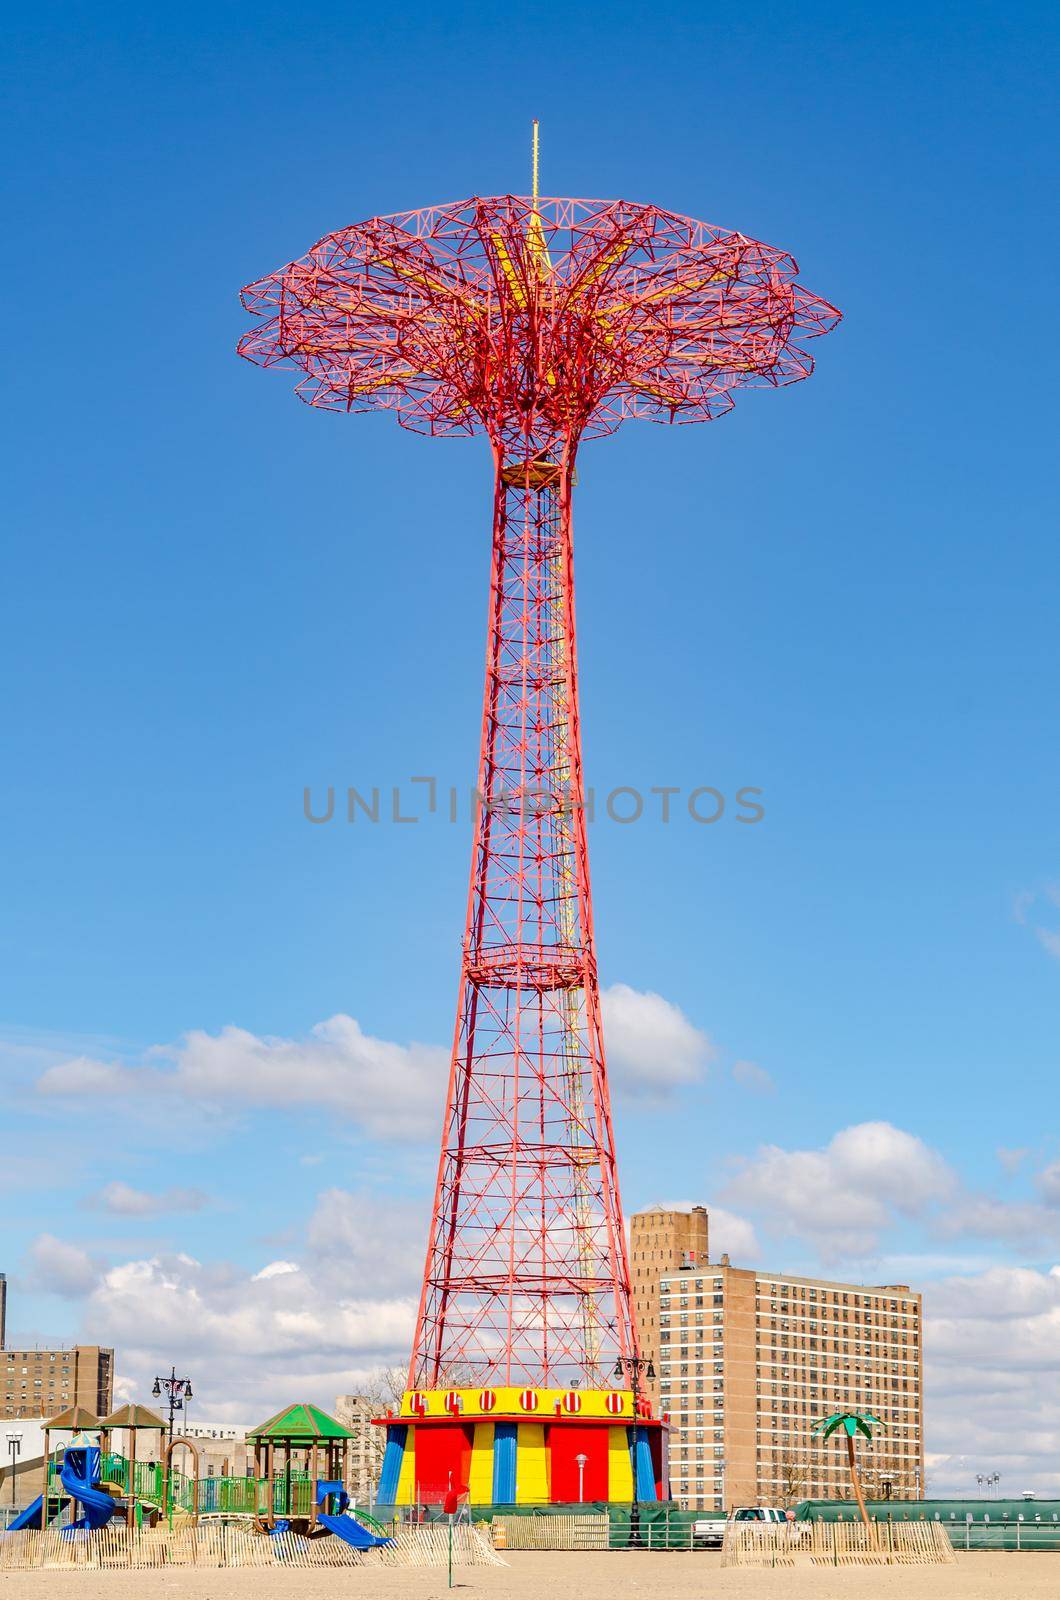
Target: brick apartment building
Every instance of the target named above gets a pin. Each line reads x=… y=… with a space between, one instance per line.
x=747 y=1361
x=41 y=1383
x=661 y=1241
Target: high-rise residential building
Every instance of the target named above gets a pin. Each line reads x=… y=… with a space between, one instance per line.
x=661 y=1240
x=747 y=1361
x=355 y=1411
x=41 y=1383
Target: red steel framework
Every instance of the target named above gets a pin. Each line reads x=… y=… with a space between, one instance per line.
x=539 y=322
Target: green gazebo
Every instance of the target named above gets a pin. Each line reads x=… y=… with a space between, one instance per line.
x=322 y=1447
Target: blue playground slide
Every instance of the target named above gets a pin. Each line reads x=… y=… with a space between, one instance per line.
x=78 y=1474
x=30 y=1518
x=339 y=1521
x=80 y=1467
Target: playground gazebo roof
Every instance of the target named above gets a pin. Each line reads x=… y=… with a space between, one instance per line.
x=130 y=1416
x=76 y=1419
x=301 y=1424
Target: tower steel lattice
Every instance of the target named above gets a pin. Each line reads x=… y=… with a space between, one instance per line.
x=540 y=323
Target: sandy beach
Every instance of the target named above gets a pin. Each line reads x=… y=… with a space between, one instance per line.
x=555 y=1576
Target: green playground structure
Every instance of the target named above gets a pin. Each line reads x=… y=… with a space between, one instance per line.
x=297 y=1481
x=287 y=1495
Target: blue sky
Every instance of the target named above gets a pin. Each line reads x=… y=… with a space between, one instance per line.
x=844 y=593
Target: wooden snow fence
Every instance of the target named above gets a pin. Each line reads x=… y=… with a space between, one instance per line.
x=427 y=1545
x=227 y=1544
x=588 y=1532
x=837 y=1544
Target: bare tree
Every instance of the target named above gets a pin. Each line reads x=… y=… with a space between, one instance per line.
x=885 y=1474
x=794 y=1474
x=384 y=1388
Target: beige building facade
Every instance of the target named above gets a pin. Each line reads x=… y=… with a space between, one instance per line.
x=355 y=1411
x=747 y=1361
x=222 y=1447
x=41 y=1383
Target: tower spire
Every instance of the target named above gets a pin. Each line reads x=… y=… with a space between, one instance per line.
x=535 y=147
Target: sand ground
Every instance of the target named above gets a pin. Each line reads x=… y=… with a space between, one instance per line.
x=553 y=1576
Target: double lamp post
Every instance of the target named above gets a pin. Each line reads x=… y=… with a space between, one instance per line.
x=631 y=1367
x=177 y=1392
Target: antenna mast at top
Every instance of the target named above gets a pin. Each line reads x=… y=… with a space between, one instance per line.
x=534 y=149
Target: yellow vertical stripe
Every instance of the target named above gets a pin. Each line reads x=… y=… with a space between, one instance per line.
x=481 y=1474
x=619 y=1467
x=531 y=1465
x=406 y=1484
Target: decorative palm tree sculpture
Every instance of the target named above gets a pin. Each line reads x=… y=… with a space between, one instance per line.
x=851 y=1422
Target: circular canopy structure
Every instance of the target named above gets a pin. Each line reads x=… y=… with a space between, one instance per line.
x=542 y=320
x=300 y=1424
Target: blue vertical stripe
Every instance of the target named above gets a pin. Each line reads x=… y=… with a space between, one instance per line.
x=505 y=1435
x=396 y=1435
x=645 y=1470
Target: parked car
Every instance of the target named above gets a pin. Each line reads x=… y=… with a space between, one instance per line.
x=709 y=1531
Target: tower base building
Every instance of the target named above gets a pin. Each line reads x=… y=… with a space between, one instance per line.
x=509 y=1446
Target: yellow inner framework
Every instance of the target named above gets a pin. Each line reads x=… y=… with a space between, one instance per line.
x=571 y=1001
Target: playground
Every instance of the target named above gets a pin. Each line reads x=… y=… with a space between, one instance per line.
x=539 y=1576
x=102 y=1509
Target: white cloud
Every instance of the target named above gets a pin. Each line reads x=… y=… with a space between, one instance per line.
x=844 y=1196
x=753 y=1077
x=1048 y=1184
x=82 y=1077
x=895 y=1165
x=275 y=1269
x=389 y=1090
x=310 y=1327
x=121 y=1200
x=1010 y=1160
x=55 y=1267
x=843 y=1199
x=251 y=1342
x=1031 y=900
x=363 y=1240
x=1016 y=1222
x=733 y=1236
x=652 y=1048
x=992 y=1347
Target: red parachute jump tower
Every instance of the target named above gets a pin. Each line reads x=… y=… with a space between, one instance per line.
x=539 y=323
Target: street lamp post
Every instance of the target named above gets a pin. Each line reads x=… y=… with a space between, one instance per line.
x=14 y=1450
x=178 y=1393
x=632 y=1367
x=580 y=1462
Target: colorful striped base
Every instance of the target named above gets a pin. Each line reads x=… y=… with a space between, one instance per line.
x=563 y=1459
